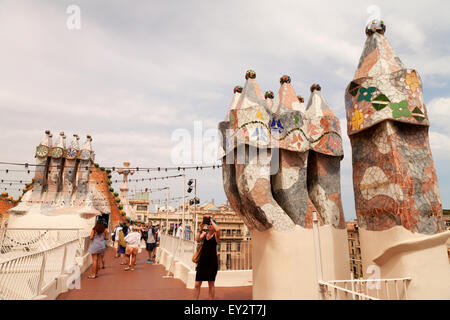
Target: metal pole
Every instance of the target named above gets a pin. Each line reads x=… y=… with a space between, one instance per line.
x=167 y=210
x=195 y=205
x=148 y=209
x=317 y=252
x=184 y=200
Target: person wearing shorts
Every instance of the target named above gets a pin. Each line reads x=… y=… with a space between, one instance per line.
x=132 y=239
x=151 y=243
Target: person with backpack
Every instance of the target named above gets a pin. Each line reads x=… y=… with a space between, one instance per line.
x=122 y=243
x=151 y=243
x=115 y=238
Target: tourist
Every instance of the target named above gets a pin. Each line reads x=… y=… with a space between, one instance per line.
x=98 y=236
x=102 y=255
x=207 y=265
x=132 y=239
x=187 y=233
x=158 y=236
x=116 y=238
x=180 y=230
x=123 y=232
x=151 y=243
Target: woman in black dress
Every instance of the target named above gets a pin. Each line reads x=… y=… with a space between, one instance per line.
x=207 y=265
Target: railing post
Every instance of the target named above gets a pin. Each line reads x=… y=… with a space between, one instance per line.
x=3 y=228
x=353 y=285
x=396 y=289
x=63 y=265
x=404 y=288
x=41 y=275
x=318 y=253
x=387 y=289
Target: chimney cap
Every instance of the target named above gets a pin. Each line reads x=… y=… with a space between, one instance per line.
x=250 y=74
x=375 y=26
x=315 y=86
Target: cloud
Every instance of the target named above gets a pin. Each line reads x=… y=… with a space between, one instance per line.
x=439 y=113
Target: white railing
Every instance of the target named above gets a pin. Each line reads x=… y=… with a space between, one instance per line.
x=14 y=241
x=26 y=271
x=234 y=259
x=365 y=289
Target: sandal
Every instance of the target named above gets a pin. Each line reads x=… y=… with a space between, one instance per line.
x=127 y=268
x=92 y=277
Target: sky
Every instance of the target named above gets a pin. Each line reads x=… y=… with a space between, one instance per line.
x=136 y=74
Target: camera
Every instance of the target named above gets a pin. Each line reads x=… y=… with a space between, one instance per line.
x=206 y=220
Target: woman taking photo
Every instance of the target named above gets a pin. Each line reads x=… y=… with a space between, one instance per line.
x=97 y=247
x=207 y=265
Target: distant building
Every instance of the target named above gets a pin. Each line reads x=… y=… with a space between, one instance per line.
x=446 y=218
x=354 y=249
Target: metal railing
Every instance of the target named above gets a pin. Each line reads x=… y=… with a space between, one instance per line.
x=365 y=289
x=183 y=250
x=236 y=258
x=25 y=270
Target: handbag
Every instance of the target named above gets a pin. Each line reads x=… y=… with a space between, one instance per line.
x=196 y=256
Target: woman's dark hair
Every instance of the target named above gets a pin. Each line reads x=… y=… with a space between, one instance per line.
x=99 y=227
x=125 y=229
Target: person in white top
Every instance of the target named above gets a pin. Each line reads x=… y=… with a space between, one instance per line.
x=116 y=239
x=132 y=239
x=179 y=231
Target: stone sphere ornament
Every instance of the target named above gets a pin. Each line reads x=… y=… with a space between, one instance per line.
x=237 y=89
x=285 y=79
x=315 y=87
x=250 y=74
x=375 y=26
x=268 y=95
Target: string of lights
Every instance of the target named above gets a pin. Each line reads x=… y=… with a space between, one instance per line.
x=113 y=168
x=112 y=181
x=95 y=201
x=28 y=243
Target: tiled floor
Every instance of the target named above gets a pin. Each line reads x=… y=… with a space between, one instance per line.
x=146 y=282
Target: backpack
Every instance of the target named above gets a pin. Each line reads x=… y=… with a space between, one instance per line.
x=122 y=241
x=144 y=235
